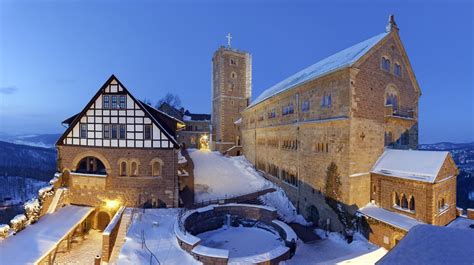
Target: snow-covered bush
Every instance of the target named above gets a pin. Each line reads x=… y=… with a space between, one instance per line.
x=45 y=192
x=32 y=210
x=18 y=223
x=4 y=230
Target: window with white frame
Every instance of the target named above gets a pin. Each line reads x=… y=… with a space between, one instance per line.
x=122 y=103
x=105 y=102
x=106 y=131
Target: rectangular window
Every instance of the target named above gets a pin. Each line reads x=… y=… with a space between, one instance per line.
x=83 y=133
x=326 y=101
x=123 y=131
x=114 y=102
x=122 y=102
x=147 y=132
x=114 y=131
x=305 y=106
x=105 y=102
x=106 y=131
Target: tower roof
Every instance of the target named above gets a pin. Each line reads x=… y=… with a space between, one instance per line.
x=337 y=61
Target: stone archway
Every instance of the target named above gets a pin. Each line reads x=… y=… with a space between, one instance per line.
x=97 y=155
x=103 y=219
x=313 y=214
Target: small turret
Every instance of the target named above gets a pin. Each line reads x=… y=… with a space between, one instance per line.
x=392 y=25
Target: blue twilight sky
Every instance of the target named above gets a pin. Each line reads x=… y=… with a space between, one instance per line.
x=54 y=55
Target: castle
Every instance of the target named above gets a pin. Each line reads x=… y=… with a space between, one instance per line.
x=332 y=130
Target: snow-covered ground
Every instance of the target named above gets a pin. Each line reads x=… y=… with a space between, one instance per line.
x=237 y=239
x=218 y=177
x=335 y=250
x=160 y=239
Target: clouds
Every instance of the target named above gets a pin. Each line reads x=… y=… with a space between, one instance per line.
x=8 y=90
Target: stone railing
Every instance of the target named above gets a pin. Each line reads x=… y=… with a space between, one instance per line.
x=109 y=236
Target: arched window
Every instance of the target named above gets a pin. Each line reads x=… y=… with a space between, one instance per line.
x=91 y=165
x=123 y=168
x=397 y=70
x=156 y=169
x=412 y=203
x=134 y=171
x=396 y=199
x=404 y=202
x=386 y=64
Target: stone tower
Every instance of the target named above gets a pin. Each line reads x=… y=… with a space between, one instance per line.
x=231 y=92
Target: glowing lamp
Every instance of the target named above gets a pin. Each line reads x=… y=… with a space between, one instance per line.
x=111 y=204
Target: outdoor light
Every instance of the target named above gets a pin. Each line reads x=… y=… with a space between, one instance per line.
x=111 y=204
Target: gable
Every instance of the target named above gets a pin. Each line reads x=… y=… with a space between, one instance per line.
x=448 y=169
x=114 y=118
x=405 y=62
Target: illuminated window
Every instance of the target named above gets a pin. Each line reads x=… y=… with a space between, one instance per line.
x=156 y=169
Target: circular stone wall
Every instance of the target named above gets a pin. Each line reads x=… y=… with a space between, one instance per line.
x=235 y=233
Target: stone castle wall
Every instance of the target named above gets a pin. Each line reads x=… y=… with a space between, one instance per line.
x=129 y=190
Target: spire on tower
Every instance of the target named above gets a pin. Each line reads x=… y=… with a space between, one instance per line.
x=392 y=25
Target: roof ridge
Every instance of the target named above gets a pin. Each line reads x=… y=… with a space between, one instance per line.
x=327 y=65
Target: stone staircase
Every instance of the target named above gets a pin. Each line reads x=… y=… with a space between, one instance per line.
x=56 y=200
x=122 y=233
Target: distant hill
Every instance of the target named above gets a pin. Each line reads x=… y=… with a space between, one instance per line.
x=463 y=155
x=27 y=161
x=39 y=140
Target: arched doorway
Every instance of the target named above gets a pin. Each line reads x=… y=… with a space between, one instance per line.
x=313 y=214
x=103 y=219
x=91 y=165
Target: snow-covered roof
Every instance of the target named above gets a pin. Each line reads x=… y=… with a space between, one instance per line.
x=395 y=219
x=34 y=242
x=436 y=244
x=410 y=164
x=340 y=60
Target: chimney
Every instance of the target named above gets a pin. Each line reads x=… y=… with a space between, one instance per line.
x=392 y=25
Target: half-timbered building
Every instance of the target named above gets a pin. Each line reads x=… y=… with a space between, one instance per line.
x=120 y=149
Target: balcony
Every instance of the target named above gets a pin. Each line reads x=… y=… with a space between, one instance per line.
x=88 y=181
x=391 y=112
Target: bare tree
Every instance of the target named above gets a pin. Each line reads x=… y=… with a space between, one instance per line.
x=171 y=99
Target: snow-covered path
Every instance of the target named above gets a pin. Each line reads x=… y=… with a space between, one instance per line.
x=217 y=176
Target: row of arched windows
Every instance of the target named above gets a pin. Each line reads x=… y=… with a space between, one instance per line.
x=404 y=202
x=386 y=65
x=132 y=167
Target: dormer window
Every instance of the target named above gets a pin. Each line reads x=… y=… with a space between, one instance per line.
x=398 y=69
x=386 y=64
